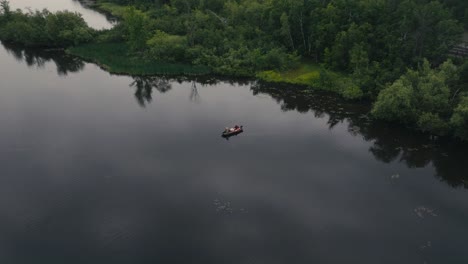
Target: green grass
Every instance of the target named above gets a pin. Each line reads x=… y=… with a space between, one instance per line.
x=116 y=58
x=309 y=74
x=111 y=8
x=305 y=74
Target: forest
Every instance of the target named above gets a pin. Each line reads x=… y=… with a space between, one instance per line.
x=394 y=53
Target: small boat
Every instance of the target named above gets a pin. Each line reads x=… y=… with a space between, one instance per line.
x=232 y=131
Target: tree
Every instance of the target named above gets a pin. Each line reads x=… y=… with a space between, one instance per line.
x=136 y=26
x=46 y=29
x=459 y=120
x=66 y=28
x=5 y=8
x=166 y=47
x=394 y=103
x=421 y=97
x=359 y=59
x=286 y=30
x=433 y=123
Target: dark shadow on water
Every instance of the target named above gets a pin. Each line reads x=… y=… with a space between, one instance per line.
x=144 y=88
x=39 y=57
x=390 y=142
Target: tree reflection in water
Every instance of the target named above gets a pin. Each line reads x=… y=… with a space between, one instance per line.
x=194 y=95
x=144 y=88
x=38 y=58
x=390 y=142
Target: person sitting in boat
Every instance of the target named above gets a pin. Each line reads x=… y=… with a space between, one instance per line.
x=236 y=127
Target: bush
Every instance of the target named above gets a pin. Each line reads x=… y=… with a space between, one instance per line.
x=166 y=47
x=44 y=29
x=423 y=97
x=67 y=29
x=394 y=103
x=349 y=90
x=430 y=122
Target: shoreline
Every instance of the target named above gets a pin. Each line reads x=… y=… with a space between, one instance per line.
x=114 y=52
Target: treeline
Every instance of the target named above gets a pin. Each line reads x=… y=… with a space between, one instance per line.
x=43 y=28
x=184 y=33
x=376 y=41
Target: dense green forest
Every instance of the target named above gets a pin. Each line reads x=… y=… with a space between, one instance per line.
x=43 y=28
x=393 y=52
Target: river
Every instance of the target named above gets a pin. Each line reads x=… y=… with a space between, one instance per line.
x=99 y=168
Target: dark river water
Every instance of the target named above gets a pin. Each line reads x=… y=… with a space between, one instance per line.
x=98 y=168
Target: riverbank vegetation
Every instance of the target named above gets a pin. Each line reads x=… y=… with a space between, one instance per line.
x=43 y=28
x=104 y=54
x=395 y=53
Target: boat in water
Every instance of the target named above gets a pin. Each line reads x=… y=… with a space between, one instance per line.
x=228 y=132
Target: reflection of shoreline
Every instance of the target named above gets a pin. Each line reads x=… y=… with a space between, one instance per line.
x=145 y=85
x=390 y=142
x=64 y=63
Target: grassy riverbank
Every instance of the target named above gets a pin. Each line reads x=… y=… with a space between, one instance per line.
x=307 y=74
x=314 y=76
x=117 y=58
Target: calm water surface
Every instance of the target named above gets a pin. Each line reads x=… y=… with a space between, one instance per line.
x=97 y=168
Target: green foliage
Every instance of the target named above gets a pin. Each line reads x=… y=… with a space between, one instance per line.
x=459 y=120
x=421 y=97
x=459 y=9
x=113 y=35
x=312 y=75
x=394 y=103
x=272 y=76
x=44 y=29
x=111 y=8
x=306 y=73
x=359 y=59
x=433 y=123
x=353 y=36
x=66 y=29
x=5 y=10
x=117 y=58
x=349 y=89
x=375 y=41
x=286 y=30
x=340 y=83
x=136 y=25
x=166 y=47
